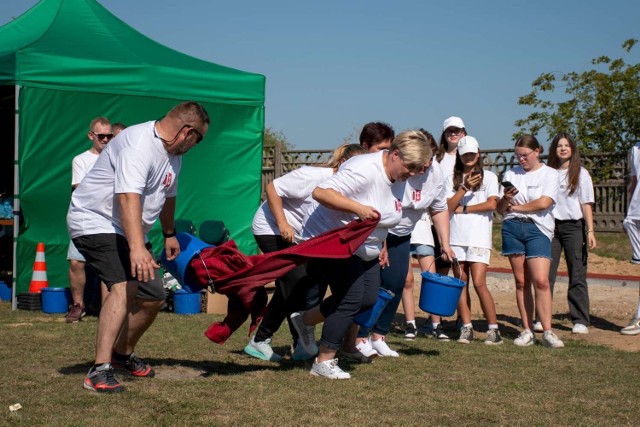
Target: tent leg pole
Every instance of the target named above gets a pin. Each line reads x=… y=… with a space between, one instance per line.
x=16 y=202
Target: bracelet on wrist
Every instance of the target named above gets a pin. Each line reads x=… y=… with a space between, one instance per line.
x=464 y=188
x=464 y=209
x=170 y=234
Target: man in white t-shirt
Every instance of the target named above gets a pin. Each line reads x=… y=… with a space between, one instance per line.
x=632 y=228
x=99 y=134
x=131 y=185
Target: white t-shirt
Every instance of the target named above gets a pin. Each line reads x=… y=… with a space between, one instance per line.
x=295 y=189
x=633 y=211
x=531 y=186
x=81 y=164
x=447 y=164
x=570 y=206
x=133 y=162
x=473 y=229
x=363 y=179
x=422 y=234
x=420 y=192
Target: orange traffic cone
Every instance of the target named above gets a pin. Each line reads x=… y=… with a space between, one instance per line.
x=39 y=277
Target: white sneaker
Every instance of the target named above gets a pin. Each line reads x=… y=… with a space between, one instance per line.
x=328 y=369
x=632 y=328
x=549 y=339
x=262 y=350
x=366 y=348
x=306 y=333
x=579 y=328
x=383 y=349
x=537 y=327
x=525 y=339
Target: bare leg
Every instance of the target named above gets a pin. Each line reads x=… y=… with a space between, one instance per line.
x=142 y=315
x=538 y=271
x=351 y=339
x=325 y=354
x=112 y=318
x=77 y=280
x=463 y=303
x=479 y=275
x=407 y=296
x=524 y=297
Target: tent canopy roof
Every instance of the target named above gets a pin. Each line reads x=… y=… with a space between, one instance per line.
x=106 y=55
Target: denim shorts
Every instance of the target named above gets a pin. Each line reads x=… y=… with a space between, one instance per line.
x=421 y=250
x=524 y=238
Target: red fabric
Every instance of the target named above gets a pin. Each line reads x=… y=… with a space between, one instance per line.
x=242 y=278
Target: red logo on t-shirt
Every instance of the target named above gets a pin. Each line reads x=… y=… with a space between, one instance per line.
x=168 y=179
x=416 y=195
x=398 y=206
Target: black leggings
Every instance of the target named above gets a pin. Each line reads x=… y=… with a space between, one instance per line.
x=294 y=292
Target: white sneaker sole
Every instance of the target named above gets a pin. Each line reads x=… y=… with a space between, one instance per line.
x=331 y=377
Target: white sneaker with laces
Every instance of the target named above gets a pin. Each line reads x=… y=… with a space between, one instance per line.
x=262 y=350
x=328 y=369
x=633 y=328
x=525 y=339
x=366 y=348
x=549 y=339
x=537 y=327
x=306 y=333
x=579 y=328
x=383 y=349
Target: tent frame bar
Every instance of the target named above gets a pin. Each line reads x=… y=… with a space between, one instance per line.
x=16 y=203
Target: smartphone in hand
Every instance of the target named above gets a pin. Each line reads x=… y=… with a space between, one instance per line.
x=508 y=186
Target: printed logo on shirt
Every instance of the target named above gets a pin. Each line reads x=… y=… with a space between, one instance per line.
x=416 y=195
x=168 y=179
x=398 y=206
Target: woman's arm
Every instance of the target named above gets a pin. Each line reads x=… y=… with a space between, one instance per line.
x=334 y=200
x=275 y=205
x=539 y=204
x=587 y=213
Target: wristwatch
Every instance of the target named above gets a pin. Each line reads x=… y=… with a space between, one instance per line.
x=170 y=234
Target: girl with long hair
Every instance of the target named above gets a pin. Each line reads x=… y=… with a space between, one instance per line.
x=573 y=215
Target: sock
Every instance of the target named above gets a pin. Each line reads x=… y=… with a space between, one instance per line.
x=413 y=322
x=638 y=310
x=435 y=324
x=467 y=325
x=493 y=326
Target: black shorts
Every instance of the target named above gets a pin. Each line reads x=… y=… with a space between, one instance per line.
x=108 y=255
x=440 y=263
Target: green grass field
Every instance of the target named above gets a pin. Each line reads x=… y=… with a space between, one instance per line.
x=43 y=362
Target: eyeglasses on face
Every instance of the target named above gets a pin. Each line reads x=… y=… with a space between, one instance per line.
x=101 y=136
x=523 y=155
x=453 y=131
x=199 y=136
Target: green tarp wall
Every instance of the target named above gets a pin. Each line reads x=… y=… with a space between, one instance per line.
x=73 y=61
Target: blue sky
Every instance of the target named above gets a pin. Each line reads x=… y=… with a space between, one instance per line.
x=332 y=66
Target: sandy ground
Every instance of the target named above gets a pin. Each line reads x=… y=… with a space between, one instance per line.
x=613 y=303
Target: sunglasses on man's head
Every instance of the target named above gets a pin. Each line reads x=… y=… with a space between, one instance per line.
x=103 y=135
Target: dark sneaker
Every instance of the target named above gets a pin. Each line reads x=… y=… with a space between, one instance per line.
x=438 y=334
x=134 y=365
x=410 y=331
x=355 y=356
x=75 y=314
x=493 y=337
x=102 y=380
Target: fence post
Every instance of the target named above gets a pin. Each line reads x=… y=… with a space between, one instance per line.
x=277 y=160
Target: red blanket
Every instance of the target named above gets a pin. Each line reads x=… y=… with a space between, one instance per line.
x=242 y=278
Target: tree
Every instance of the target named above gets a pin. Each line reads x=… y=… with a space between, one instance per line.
x=601 y=107
x=271 y=137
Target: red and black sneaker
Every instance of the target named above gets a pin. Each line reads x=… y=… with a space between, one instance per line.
x=134 y=365
x=102 y=380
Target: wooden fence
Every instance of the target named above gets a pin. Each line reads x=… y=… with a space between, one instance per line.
x=610 y=194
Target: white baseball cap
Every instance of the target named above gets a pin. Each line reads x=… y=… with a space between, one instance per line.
x=453 y=121
x=468 y=144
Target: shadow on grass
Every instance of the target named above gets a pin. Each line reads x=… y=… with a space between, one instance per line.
x=206 y=368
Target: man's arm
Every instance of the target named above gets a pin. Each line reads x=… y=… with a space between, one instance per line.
x=167 y=221
x=142 y=263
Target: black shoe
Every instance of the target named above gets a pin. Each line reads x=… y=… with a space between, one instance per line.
x=410 y=332
x=438 y=334
x=134 y=365
x=102 y=380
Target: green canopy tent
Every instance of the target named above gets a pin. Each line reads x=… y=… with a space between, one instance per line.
x=72 y=60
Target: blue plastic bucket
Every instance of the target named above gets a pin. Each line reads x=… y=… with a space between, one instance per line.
x=369 y=317
x=440 y=294
x=186 y=302
x=190 y=247
x=5 y=291
x=55 y=300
